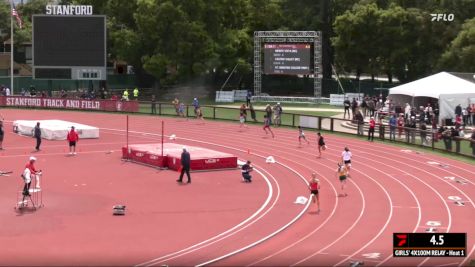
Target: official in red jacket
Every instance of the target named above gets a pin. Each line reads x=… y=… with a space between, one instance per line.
x=73 y=138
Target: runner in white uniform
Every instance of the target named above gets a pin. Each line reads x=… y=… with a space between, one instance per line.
x=302 y=136
x=346 y=159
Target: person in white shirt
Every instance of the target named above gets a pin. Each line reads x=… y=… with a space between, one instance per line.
x=407 y=112
x=346 y=159
x=7 y=91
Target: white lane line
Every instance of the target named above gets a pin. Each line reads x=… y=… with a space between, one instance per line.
x=468 y=256
x=269 y=236
x=200 y=244
x=345 y=233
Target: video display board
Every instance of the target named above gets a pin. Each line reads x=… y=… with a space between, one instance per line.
x=287 y=58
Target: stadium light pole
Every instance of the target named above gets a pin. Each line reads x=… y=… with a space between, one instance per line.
x=11 y=48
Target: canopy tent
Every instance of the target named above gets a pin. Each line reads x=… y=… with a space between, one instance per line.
x=448 y=89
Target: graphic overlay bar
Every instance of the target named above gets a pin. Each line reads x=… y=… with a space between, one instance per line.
x=429 y=244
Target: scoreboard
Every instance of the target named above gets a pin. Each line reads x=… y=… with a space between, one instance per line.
x=287 y=58
x=429 y=244
x=69 y=47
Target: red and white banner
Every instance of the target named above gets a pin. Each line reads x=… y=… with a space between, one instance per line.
x=65 y=103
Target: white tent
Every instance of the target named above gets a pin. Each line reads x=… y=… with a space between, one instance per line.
x=447 y=88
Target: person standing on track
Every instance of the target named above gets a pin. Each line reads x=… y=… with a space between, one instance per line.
x=267 y=123
x=246 y=169
x=321 y=144
x=185 y=165
x=342 y=173
x=314 y=186
x=346 y=159
x=37 y=135
x=73 y=138
x=302 y=136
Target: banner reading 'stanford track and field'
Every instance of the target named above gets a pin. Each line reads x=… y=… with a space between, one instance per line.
x=65 y=103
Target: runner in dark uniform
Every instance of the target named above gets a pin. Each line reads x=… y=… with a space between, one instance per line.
x=321 y=144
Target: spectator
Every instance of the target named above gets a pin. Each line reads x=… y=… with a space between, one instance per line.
x=458 y=110
x=23 y=92
x=428 y=113
x=372 y=125
x=371 y=106
x=400 y=125
x=154 y=105
x=248 y=98
x=242 y=115
x=465 y=116
x=267 y=125
x=125 y=95
x=454 y=133
x=253 y=112
x=277 y=114
x=447 y=137
x=458 y=121
x=472 y=111
x=114 y=97
x=7 y=91
x=354 y=105
x=364 y=106
x=392 y=127
x=407 y=112
x=412 y=130
x=176 y=104
x=63 y=94
x=136 y=93
x=423 y=132
x=469 y=115
x=422 y=115
x=103 y=93
x=382 y=129
x=346 y=105
x=472 y=142
x=196 y=104
x=360 y=122
x=181 y=110
x=268 y=111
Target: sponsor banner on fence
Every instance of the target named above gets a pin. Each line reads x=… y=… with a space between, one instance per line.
x=309 y=122
x=65 y=103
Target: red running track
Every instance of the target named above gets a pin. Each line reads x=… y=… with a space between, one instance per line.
x=218 y=220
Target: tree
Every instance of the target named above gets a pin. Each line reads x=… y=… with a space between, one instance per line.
x=356 y=31
x=460 y=55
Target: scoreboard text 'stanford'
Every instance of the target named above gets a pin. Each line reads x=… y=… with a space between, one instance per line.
x=68 y=10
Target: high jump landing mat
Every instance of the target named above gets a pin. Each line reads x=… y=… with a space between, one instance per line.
x=54 y=129
x=201 y=158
